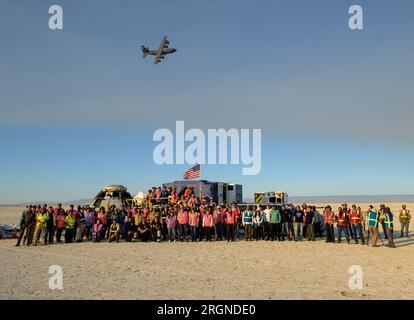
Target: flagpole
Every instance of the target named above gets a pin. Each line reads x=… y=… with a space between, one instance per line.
x=200 y=185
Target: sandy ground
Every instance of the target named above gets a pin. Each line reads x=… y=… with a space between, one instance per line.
x=217 y=270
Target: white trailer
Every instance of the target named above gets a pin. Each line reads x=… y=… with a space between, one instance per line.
x=229 y=192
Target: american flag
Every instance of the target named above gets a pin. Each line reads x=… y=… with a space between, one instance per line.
x=192 y=173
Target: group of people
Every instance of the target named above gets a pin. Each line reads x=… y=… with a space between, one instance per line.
x=166 y=217
x=357 y=226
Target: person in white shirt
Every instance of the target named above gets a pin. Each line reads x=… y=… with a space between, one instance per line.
x=266 y=222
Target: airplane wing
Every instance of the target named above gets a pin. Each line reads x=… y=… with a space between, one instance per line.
x=164 y=43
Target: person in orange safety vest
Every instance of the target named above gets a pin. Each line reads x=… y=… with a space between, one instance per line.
x=342 y=225
x=355 y=218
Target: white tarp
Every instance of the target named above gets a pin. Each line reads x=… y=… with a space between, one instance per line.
x=140 y=198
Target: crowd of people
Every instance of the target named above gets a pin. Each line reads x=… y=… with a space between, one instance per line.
x=164 y=216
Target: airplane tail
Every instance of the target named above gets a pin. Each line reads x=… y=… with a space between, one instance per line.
x=144 y=51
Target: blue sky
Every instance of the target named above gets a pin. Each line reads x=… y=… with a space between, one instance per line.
x=79 y=106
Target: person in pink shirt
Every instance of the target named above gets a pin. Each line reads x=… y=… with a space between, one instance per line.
x=188 y=192
x=218 y=223
x=192 y=202
x=102 y=219
x=157 y=195
x=145 y=212
x=173 y=196
x=59 y=209
x=208 y=225
x=171 y=224
x=98 y=231
x=200 y=228
x=182 y=223
x=193 y=220
x=60 y=225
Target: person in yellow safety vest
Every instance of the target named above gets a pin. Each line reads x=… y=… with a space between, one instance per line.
x=138 y=217
x=405 y=217
x=372 y=220
x=114 y=231
x=69 y=227
x=387 y=218
x=36 y=210
x=42 y=218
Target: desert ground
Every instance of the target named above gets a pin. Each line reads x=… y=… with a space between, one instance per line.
x=216 y=270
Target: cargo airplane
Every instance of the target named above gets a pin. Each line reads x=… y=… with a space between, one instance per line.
x=161 y=52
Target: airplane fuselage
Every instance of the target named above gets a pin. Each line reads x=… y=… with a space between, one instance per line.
x=164 y=51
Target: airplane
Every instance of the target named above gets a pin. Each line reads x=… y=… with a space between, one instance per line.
x=161 y=52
